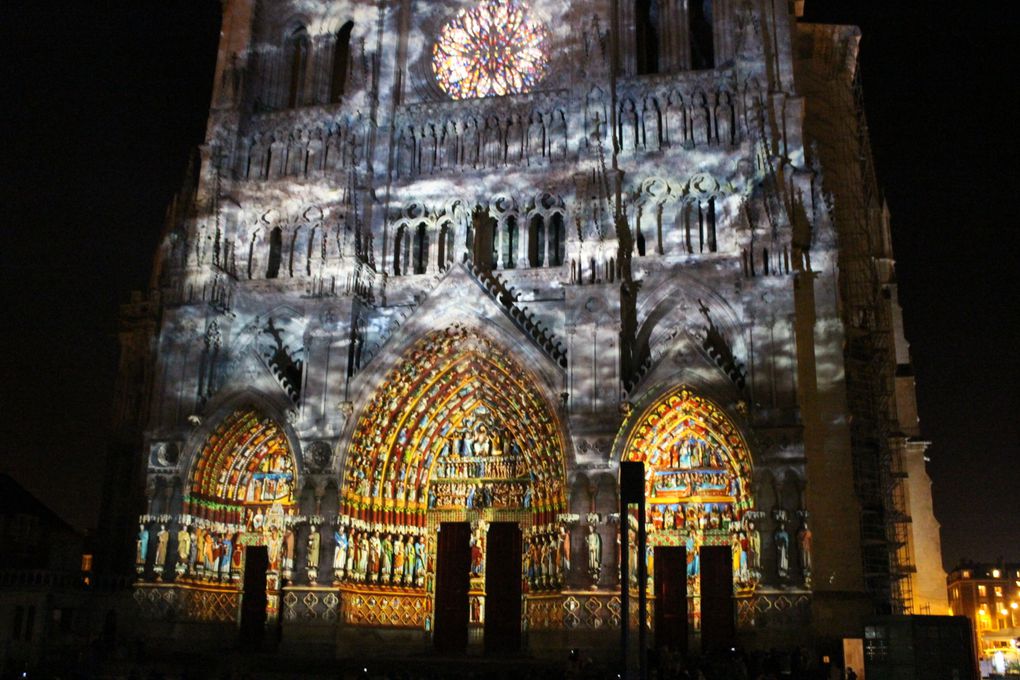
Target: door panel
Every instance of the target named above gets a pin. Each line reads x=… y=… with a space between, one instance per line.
x=503 y=588
x=718 y=629
x=671 y=597
x=453 y=564
x=253 y=599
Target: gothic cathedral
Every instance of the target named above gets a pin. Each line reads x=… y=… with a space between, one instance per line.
x=441 y=267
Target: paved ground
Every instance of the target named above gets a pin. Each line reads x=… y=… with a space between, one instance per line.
x=236 y=666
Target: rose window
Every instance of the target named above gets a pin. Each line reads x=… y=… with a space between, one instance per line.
x=494 y=48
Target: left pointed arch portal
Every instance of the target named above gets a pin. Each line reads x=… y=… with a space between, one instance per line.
x=246 y=464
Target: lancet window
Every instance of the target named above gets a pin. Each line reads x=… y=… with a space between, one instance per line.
x=341 y=62
x=298 y=50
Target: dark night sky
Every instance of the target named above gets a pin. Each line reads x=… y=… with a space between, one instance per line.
x=104 y=99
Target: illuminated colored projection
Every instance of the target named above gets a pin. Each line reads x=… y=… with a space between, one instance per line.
x=242 y=484
x=457 y=430
x=697 y=476
x=491 y=49
x=246 y=464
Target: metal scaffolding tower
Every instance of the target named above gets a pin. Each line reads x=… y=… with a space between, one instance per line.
x=856 y=210
x=870 y=369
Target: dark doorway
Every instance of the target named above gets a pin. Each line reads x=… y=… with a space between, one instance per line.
x=453 y=564
x=717 y=625
x=253 y=598
x=503 y=589
x=671 y=597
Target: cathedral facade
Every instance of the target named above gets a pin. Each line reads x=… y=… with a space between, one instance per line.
x=441 y=267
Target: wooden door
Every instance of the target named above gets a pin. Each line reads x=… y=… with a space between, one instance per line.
x=453 y=565
x=253 y=598
x=503 y=589
x=718 y=628
x=671 y=597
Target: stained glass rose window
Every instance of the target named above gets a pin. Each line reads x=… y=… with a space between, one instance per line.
x=494 y=48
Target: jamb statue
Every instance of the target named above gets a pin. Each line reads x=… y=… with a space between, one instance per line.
x=594 y=543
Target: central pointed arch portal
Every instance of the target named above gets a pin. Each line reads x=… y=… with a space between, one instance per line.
x=459 y=435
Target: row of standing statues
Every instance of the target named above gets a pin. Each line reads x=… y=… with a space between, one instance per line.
x=381 y=558
x=400 y=559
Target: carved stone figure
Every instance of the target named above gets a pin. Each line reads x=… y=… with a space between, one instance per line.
x=314 y=542
x=419 y=561
x=162 y=539
x=753 y=546
x=141 y=547
x=804 y=544
x=782 y=540
x=398 y=559
x=364 y=548
x=288 y=551
x=226 y=552
x=183 y=549
x=563 y=550
x=409 y=562
x=374 y=554
x=386 y=566
x=593 y=541
x=340 y=546
x=193 y=551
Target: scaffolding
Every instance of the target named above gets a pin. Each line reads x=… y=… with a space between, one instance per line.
x=856 y=210
x=879 y=478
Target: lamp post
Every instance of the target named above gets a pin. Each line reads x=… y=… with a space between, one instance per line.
x=632 y=490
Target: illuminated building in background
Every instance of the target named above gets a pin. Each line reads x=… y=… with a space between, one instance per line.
x=440 y=267
x=989 y=595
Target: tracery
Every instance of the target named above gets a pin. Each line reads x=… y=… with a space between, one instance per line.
x=492 y=49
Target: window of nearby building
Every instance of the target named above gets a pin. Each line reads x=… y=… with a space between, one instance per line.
x=62 y=618
x=998 y=591
x=29 y=622
x=983 y=591
x=956 y=593
x=19 y=622
x=966 y=573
